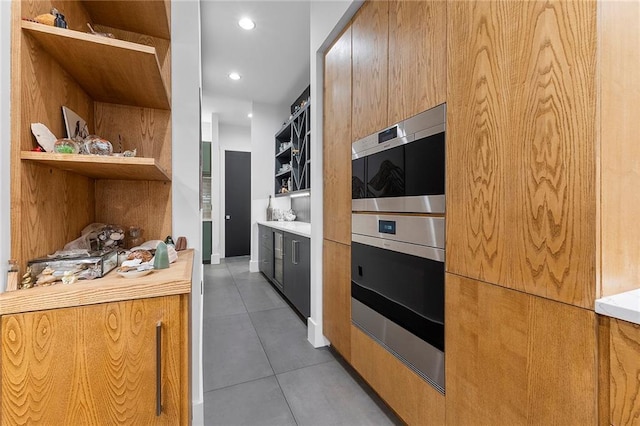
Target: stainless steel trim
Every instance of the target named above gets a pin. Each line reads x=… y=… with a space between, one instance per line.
x=400 y=247
x=420 y=356
x=427 y=123
x=414 y=204
x=159 y=368
x=422 y=230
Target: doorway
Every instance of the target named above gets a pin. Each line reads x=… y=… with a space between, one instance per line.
x=237 y=201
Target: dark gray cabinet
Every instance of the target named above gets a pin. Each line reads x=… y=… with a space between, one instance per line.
x=293 y=156
x=265 y=252
x=297 y=271
x=293 y=253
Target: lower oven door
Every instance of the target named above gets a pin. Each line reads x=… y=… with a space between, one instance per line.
x=397 y=294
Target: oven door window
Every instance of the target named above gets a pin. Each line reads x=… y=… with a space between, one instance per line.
x=424 y=166
x=406 y=289
x=385 y=173
x=358 y=186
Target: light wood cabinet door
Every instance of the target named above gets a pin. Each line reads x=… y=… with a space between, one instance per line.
x=370 y=35
x=514 y=358
x=417 y=57
x=410 y=396
x=625 y=370
x=336 y=162
x=96 y=364
x=521 y=182
x=336 y=296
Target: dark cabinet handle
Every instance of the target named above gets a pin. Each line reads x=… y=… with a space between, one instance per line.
x=294 y=256
x=159 y=368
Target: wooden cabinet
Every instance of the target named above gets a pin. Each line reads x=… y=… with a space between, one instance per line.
x=625 y=369
x=336 y=296
x=409 y=395
x=369 y=32
x=417 y=57
x=97 y=364
x=521 y=131
x=122 y=88
x=336 y=165
x=515 y=358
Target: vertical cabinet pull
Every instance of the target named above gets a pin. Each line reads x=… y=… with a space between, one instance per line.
x=159 y=368
x=294 y=252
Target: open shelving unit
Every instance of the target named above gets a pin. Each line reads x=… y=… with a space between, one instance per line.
x=121 y=86
x=292 y=151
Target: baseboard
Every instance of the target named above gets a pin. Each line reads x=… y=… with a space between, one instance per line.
x=197 y=410
x=254 y=266
x=215 y=258
x=314 y=334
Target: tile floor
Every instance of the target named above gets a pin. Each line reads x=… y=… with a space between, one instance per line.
x=259 y=368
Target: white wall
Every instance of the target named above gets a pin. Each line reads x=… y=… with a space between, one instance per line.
x=328 y=18
x=185 y=51
x=216 y=189
x=267 y=120
x=231 y=138
x=5 y=139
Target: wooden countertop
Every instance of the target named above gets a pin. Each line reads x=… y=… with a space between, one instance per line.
x=110 y=288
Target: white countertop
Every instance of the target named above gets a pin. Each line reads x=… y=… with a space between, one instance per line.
x=299 y=228
x=624 y=306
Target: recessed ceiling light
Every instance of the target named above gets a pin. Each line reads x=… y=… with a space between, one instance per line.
x=246 y=24
x=250 y=115
x=234 y=76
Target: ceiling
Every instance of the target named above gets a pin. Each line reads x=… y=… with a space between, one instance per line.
x=273 y=58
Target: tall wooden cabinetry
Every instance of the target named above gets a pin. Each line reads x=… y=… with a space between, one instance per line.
x=122 y=88
x=97 y=364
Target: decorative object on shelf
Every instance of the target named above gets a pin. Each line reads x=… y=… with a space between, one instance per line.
x=12 y=275
x=134 y=237
x=169 y=241
x=88 y=265
x=45 y=18
x=135 y=273
x=289 y=215
x=59 y=21
x=75 y=125
x=141 y=254
x=269 y=210
x=181 y=244
x=110 y=236
x=45 y=138
x=96 y=145
x=161 y=258
x=66 y=146
x=68 y=277
x=108 y=35
x=27 y=279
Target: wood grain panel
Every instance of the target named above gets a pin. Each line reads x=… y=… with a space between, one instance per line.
x=625 y=370
x=337 y=141
x=370 y=36
x=515 y=358
x=145 y=129
x=145 y=17
x=91 y=365
x=142 y=203
x=521 y=146
x=417 y=57
x=336 y=296
x=413 y=399
x=619 y=151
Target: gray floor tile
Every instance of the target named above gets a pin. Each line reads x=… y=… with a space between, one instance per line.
x=258 y=295
x=284 y=338
x=326 y=394
x=258 y=403
x=221 y=297
x=232 y=352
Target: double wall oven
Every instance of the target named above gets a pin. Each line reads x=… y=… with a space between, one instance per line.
x=397 y=241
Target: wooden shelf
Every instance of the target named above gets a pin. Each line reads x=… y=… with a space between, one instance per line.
x=101 y=167
x=109 y=70
x=142 y=17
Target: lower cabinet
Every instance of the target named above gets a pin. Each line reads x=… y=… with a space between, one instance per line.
x=625 y=370
x=265 y=251
x=113 y=363
x=336 y=296
x=297 y=272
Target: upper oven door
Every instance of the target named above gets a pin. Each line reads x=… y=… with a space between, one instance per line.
x=402 y=168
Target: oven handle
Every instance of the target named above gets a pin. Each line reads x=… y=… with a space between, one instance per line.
x=426 y=252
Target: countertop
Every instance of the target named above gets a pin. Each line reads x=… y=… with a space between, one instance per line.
x=624 y=306
x=299 y=228
x=111 y=288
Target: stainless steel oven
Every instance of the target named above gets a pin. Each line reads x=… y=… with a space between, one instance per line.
x=397 y=287
x=401 y=168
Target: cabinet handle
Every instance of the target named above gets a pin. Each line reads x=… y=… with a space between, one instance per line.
x=159 y=368
x=294 y=257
